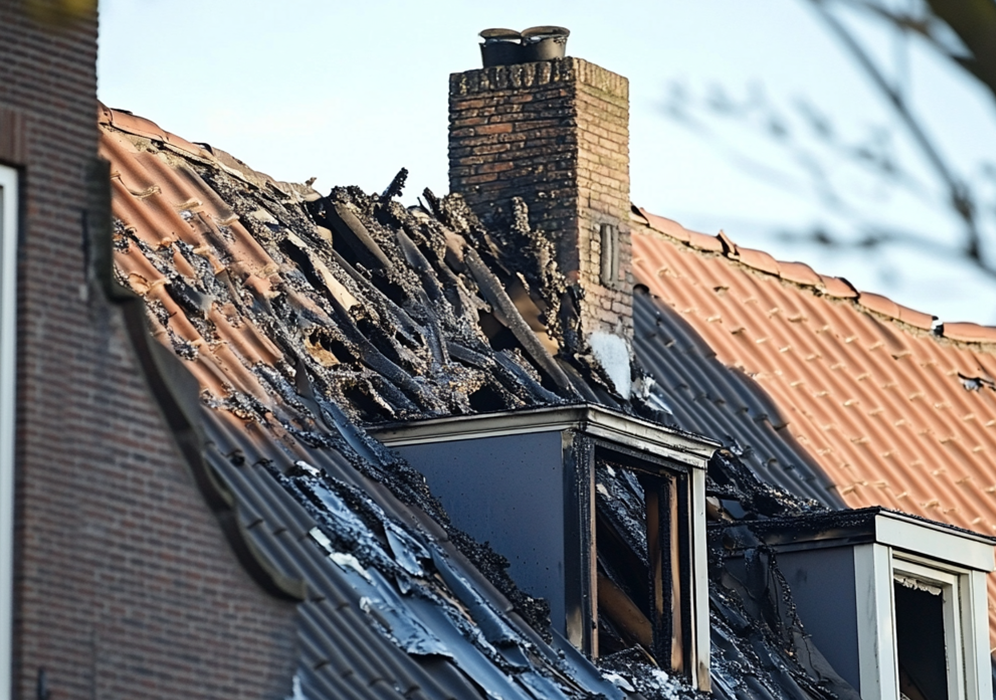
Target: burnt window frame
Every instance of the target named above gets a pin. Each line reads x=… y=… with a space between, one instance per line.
x=581 y=428
x=678 y=488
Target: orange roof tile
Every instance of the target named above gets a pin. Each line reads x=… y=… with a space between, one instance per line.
x=883 y=405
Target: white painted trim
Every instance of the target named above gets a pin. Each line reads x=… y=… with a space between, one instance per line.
x=953 y=611
x=966 y=622
x=975 y=631
x=690 y=450
x=8 y=394
x=879 y=671
x=701 y=644
x=934 y=540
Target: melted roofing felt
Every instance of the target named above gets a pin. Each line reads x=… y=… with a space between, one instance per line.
x=840 y=395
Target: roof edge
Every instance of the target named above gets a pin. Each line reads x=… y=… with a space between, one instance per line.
x=126 y=122
x=681 y=446
x=804 y=276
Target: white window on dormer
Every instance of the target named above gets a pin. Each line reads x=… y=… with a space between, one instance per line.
x=896 y=604
x=8 y=385
x=928 y=610
x=926 y=633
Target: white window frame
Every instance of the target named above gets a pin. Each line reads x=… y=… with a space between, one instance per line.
x=966 y=623
x=954 y=642
x=8 y=391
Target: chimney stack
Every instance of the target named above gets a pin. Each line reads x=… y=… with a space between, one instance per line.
x=555 y=133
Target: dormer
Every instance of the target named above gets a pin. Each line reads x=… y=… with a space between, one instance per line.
x=895 y=603
x=525 y=481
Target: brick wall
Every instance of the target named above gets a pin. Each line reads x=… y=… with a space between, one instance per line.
x=124 y=584
x=555 y=133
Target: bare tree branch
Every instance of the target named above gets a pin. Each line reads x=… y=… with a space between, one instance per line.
x=818 y=150
x=974 y=21
x=958 y=194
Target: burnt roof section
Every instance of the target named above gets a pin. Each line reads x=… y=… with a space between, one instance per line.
x=299 y=317
x=396 y=314
x=291 y=341
x=849 y=527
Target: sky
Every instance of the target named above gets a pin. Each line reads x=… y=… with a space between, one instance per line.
x=719 y=89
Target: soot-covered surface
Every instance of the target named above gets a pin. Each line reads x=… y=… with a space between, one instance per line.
x=302 y=317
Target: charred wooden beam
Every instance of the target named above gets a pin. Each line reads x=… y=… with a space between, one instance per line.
x=657 y=493
x=496 y=296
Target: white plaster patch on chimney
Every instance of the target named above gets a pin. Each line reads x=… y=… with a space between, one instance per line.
x=612 y=353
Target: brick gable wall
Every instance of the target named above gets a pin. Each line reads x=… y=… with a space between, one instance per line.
x=124 y=584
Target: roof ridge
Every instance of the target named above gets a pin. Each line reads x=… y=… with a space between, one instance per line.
x=129 y=123
x=804 y=276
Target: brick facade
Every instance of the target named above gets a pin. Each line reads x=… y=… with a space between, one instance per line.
x=124 y=584
x=556 y=134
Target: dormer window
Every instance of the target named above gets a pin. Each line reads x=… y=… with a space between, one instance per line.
x=896 y=604
x=536 y=485
x=927 y=605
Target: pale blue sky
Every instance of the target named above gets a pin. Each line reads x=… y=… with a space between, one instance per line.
x=350 y=92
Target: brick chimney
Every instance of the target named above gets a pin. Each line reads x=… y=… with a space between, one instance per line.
x=556 y=134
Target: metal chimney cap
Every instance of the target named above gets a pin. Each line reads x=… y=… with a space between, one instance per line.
x=548 y=32
x=499 y=34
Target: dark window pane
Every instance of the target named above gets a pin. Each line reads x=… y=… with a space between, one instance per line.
x=920 y=639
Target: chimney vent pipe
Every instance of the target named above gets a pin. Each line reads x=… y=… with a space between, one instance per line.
x=506 y=47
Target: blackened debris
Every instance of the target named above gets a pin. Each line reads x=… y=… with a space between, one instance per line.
x=741 y=493
x=397 y=185
x=633 y=671
x=760 y=646
x=760 y=649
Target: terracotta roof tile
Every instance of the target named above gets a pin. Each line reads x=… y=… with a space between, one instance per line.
x=132 y=124
x=666 y=226
x=892 y=414
x=729 y=247
x=758 y=259
x=636 y=214
x=879 y=304
x=915 y=318
x=139 y=126
x=800 y=273
x=675 y=230
x=838 y=287
x=969 y=332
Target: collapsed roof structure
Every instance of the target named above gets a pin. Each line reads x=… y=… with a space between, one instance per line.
x=280 y=327
x=294 y=349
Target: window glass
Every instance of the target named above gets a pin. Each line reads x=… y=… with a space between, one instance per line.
x=920 y=640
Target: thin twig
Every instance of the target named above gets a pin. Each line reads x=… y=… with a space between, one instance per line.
x=960 y=200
